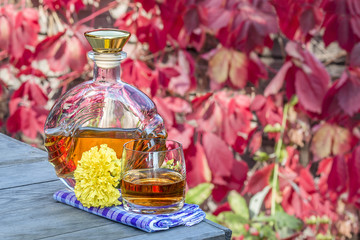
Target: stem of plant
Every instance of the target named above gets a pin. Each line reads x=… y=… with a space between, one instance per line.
x=277 y=160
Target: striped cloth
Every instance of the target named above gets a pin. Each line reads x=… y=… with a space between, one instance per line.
x=189 y=215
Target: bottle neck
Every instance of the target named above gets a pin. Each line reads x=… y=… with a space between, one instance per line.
x=107 y=74
x=107 y=66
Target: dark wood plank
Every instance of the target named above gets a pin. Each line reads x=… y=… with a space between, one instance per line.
x=226 y=230
x=38 y=216
x=14 y=152
x=202 y=230
x=31 y=213
x=29 y=196
x=26 y=173
x=116 y=231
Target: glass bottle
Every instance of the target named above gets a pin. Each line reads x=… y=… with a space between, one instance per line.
x=104 y=110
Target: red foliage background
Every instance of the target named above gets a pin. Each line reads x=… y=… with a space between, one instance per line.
x=202 y=62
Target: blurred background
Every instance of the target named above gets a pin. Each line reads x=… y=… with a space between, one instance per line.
x=264 y=95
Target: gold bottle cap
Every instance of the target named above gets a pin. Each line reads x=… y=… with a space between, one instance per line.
x=107 y=40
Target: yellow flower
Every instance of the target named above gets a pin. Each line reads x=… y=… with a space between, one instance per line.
x=97 y=175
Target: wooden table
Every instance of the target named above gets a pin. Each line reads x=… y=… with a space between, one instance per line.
x=28 y=211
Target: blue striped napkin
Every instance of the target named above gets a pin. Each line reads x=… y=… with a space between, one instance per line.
x=189 y=215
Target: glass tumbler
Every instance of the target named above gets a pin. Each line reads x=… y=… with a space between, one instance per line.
x=153 y=177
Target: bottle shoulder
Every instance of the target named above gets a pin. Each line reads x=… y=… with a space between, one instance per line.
x=105 y=100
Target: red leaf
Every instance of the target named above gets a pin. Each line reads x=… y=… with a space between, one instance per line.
x=258 y=103
x=354 y=176
x=126 y=21
x=309 y=80
x=5 y=30
x=219 y=192
x=222 y=208
x=210 y=118
x=185 y=81
x=137 y=73
x=165 y=75
x=191 y=19
x=172 y=13
x=183 y=134
x=151 y=33
x=69 y=5
x=323 y=171
x=197 y=102
x=341 y=100
x=164 y=111
x=77 y=54
x=63 y=51
x=31 y=71
x=292 y=161
x=25 y=60
x=240 y=145
x=218 y=17
x=198 y=170
x=26 y=120
x=256 y=70
x=337 y=179
x=347 y=89
x=306 y=181
x=252 y=23
x=339 y=23
x=234 y=182
x=255 y=141
x=278 y=81
x=355 y=56
x=47 y=47
x=177 y=105
x=55 y=50
x=24 y=29
x=259 y=180
x=197 y=39
x=147 y=4
x=268 y=113
x=238 y=116
x=32 y=92
x=238 y=175
x=309 y=92
x=297 y=19
x=202 y=107
x=310 y=18
x=216 y=149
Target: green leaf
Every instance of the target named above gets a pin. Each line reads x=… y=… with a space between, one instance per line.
x=238 y=204
x=230 y=216
x=284 y=220
x=261 y=156
x=272 y=128
x=234 y=221
x=212 y=218
x=257 y=200
x=293 y=101
x=324 y=237
x=199 y=194
x=263 y=218
x=267 y=232
x=283 y=153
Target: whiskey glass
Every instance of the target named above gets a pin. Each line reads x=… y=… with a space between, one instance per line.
x=153 y=177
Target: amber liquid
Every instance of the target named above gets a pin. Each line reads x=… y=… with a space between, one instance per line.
x=65 y=151
x=154 y=188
